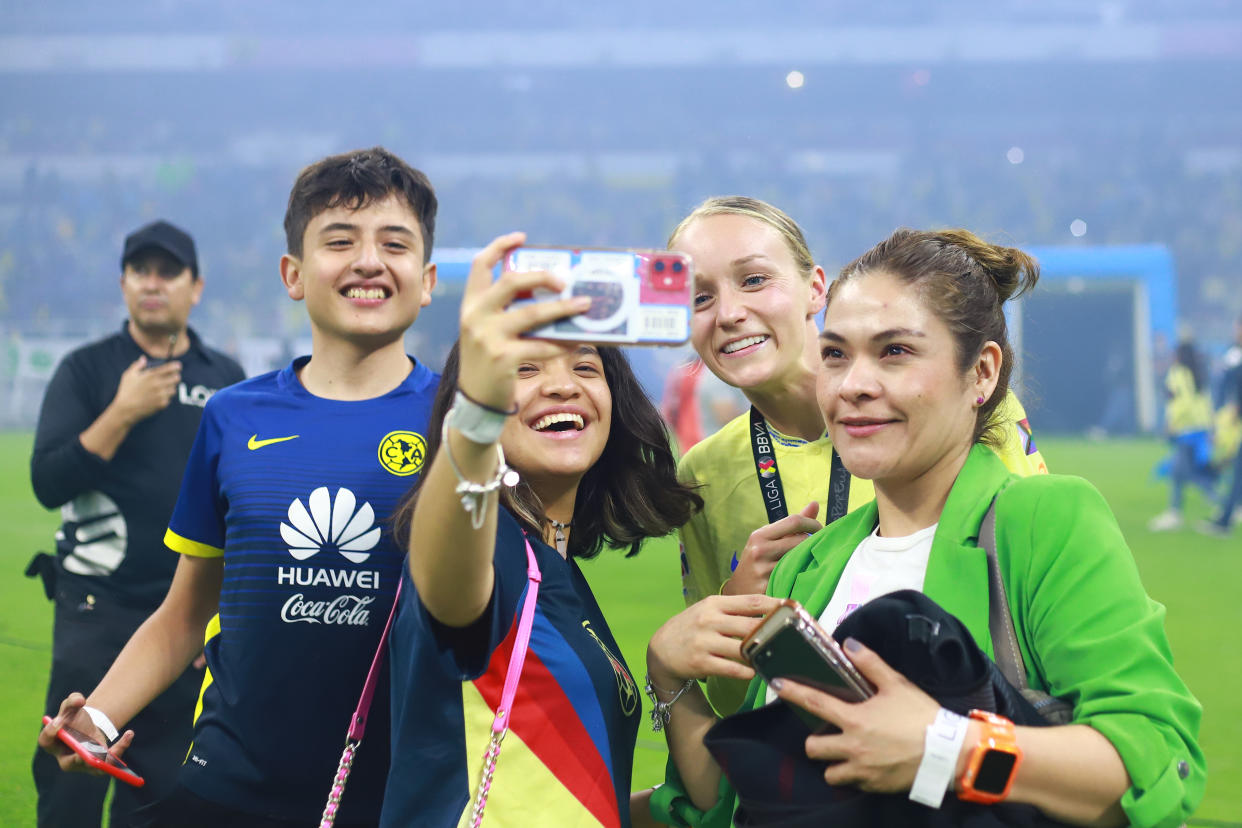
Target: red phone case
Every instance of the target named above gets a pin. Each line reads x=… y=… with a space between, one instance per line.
x=91 y=751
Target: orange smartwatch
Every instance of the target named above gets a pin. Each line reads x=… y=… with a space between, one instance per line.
x=993 y=762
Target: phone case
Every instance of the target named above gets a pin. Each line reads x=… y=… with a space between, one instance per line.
x=97 y=755
x=789 y=643
x=638 y=297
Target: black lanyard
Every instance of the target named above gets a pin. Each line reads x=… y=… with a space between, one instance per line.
x=770 y=477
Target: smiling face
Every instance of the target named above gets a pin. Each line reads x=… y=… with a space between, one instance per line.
x=896 y=402
x=563 y=420
x=753 y=323
x=159 y=292
x=361 y=273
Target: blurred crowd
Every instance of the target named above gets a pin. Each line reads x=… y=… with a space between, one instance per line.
x=148 y=15
x=58 y=234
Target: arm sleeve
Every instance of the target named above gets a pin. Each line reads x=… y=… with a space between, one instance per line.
x=197 y=526
x=671 y=805
x=1098 y=640
x=60 y=467
x=466 y=652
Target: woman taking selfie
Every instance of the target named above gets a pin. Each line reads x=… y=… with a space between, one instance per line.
x=771 y=471
x=593 y=467
x=914 y=358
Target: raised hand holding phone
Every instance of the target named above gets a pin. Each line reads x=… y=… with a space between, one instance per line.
x=493 y=324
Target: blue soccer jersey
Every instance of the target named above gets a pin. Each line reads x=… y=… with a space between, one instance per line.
x=567 y=757
x=295 y=492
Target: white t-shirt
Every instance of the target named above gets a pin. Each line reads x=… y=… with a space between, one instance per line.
x=879 y=566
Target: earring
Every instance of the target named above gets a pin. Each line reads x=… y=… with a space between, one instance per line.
x=979 y=400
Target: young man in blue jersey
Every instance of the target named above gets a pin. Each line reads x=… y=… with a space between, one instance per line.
x=286 y=557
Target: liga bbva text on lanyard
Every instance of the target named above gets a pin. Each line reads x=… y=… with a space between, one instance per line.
x=770 y=477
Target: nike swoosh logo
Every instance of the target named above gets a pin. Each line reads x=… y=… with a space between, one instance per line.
x=256 y=443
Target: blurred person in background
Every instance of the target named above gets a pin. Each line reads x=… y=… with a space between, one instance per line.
x=594 y=469
x=679 y=405
x=771 y=472
x=284 y=559
x=114 y=432
x=1188 y=423
x=915 y=359
x=1229 y=420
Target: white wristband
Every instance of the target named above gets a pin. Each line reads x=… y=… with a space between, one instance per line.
x=941 y=747
x=477 y=423
x=102 y=722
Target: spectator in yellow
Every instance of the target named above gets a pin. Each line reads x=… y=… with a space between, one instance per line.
x=1188 y=423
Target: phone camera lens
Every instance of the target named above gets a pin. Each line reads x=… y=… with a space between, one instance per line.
x=678 y=267
x=659 y=266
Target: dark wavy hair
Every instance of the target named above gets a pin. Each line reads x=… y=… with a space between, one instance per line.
x=965 y=281
x=630 y=494
x=354 y=180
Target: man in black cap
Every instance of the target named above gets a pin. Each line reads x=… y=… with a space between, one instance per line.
x=116 y=426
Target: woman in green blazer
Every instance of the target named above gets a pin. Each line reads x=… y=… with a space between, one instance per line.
x=915 y=357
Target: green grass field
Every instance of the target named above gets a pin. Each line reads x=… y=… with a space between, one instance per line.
x=1197 y=578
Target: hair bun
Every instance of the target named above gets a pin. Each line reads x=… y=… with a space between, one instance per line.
x=1011 y=271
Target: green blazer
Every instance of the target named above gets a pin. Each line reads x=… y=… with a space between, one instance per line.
x=1087 y=630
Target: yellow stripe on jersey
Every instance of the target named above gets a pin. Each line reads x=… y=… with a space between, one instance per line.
x=512 y=800
x=188 y=547
x=213 y=629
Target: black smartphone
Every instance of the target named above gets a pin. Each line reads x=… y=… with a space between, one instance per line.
x=96 y=755
x=790 y=643
x=155 y=362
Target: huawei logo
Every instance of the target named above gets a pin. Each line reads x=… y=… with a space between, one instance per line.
x=330 y=524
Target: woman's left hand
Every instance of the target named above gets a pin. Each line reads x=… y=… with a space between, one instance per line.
x=880 y=744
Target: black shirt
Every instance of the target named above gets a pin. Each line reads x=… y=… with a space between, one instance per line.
x=114 y=513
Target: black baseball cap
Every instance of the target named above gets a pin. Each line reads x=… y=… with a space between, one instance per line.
x=162 y=236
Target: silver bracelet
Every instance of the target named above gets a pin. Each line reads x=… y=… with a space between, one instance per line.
x=476 y=422
x=660 y=710
x=474 y=494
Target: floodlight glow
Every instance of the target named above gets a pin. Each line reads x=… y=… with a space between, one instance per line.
x=795 y=79
x=1078 y=228
x=1015 y=155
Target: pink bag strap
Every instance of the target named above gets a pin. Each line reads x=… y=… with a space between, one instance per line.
x=358 y=724
x=517 y=658
x=500 y=724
